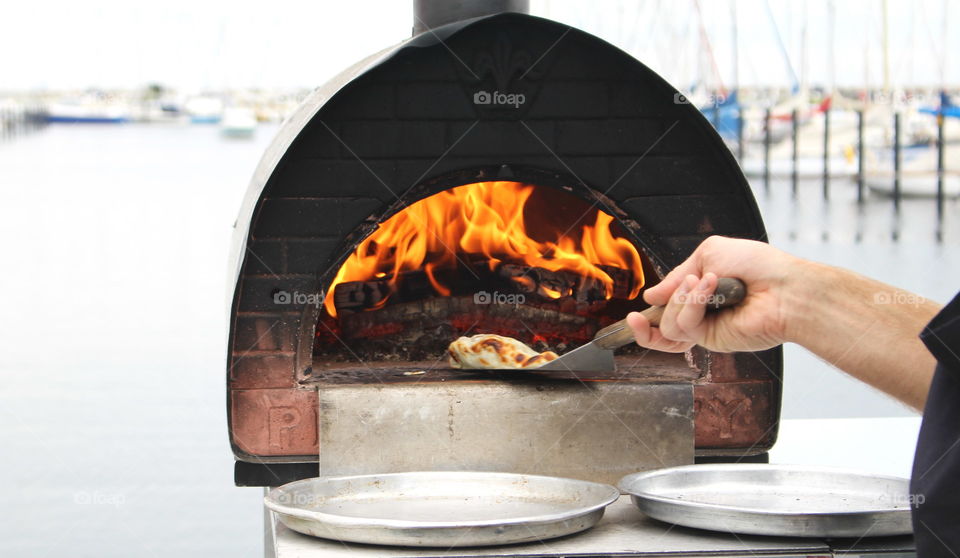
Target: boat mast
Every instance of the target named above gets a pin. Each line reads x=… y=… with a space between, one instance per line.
x=804 y=84
x=890 y=108
x=795 y=84
x=736 y=45
x=831 y=75
x=885 y=51
x=708 y=50
x=943 y=46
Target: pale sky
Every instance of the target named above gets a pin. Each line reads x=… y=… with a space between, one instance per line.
x=196 y=44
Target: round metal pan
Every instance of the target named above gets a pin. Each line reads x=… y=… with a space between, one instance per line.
x=440 y=509
x=782 y=500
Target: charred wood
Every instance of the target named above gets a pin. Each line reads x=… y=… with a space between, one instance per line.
x=572 y=292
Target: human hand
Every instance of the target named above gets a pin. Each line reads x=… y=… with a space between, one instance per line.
x=757 y=323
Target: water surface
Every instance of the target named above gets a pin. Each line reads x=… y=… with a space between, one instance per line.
x=114 y=242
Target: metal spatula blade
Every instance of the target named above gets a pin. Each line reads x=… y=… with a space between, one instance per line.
x=588 y=358
x=597 y=355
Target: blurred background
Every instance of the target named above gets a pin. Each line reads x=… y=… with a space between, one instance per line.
x=114 y=114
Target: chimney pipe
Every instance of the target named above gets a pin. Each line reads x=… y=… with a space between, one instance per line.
x=428 y=14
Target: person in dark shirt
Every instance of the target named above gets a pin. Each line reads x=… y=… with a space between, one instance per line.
x=891 y=339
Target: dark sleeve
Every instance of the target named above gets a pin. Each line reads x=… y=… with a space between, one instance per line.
x=942 y=336
x=935 y=482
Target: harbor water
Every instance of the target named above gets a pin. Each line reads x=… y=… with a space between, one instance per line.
x=115 y=285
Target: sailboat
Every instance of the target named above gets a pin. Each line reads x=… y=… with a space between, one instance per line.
x=88 y=109
x=918 y=163
x=238 y=122
x=919 y=174
x=948 y=108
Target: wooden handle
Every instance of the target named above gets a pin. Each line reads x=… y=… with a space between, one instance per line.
x=729 y=292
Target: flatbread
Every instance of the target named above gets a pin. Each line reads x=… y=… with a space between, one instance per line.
x=488 y=351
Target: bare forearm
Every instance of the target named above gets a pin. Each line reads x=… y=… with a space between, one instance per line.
x=866 y=328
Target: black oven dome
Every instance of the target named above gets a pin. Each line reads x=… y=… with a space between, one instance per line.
x=582 y=98
x=509 y=97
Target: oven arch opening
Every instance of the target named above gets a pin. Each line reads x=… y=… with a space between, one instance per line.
x=538 y=257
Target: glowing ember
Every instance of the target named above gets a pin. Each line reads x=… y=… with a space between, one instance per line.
x=485 y=218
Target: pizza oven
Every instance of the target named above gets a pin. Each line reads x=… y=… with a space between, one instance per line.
x=504 y=174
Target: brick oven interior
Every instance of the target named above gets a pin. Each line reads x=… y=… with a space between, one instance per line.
x=594 y=128
x=400 y=321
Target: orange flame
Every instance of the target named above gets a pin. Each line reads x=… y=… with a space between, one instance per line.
x=484 y=218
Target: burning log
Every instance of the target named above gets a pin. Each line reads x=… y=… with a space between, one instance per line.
x=623 y=280
x=356 y=296
x=537 y=280
x=424 y=315
x=360 y=295
x=569 y=289
x=486 y=220
x=422 y=328
x=554 y=285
